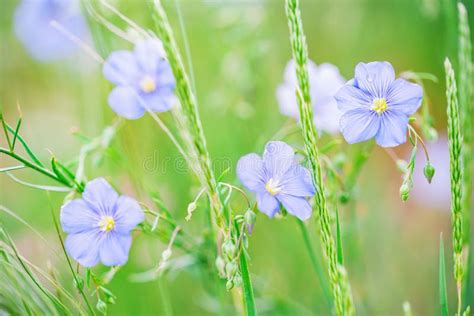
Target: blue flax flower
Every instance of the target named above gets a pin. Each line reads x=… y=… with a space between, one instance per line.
x=324 y=81
x=143 y=78
x=375 y=104
x=100 y=224
x=277 y=179
x=32 y=24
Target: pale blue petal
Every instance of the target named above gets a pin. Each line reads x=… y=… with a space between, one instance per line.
x=100 y=196
x=84 y=247
x=359 y=125
x=148 y=54
x=125 y=102
x=160 y=100
x=127 y=214
x=267 y=203
x=297 y=181
x=251 y=172
x=164 y=75
x=350 y=97
x=286 y=98
x=297 y=206
x=121 y=68
x=115 y=248
x=327 y=116
x=404 y=96
x=393 y=129
x=277 y=158
x=76 y=216
x=375 y=78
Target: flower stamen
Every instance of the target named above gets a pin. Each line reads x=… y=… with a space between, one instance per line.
x=379 y=105
x=147 y=84
x=107 y=223
x=272 y=186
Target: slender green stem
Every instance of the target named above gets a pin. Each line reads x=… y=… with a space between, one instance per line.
x=341 y=290
x=316 y=263
x=33 y=166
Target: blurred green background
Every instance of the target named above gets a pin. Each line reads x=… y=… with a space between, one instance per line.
x=239 y=50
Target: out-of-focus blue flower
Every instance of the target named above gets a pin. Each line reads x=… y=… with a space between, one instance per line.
x=324 y=81
x=33 y=28
x=277 y=179
x=100 y=224
x=144 y=80
x=375 y=104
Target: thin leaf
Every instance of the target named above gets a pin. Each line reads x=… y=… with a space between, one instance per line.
x=340 y=254
x=11 y=168
x=37 y=186
x=443 y=296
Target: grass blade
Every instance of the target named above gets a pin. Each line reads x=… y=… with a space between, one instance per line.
x=443 y=294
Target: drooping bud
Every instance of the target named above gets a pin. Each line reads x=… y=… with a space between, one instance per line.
x=429 y=171
x=404 y=192
x=250 y=219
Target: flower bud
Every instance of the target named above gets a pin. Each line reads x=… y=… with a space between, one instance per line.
x=229 y=249
x=250 y=219
x=404 y=192
x=101 y=306
x=429 y=171
x=231 y=268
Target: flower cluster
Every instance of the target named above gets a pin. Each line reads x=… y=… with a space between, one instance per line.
x=143 y=78
x=277 y=179
x=99 y=225
x=324 y=80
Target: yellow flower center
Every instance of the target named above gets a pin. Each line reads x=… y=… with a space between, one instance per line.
x=147 y=84
x=379 y=105
x=107 y=223
x=272 y=186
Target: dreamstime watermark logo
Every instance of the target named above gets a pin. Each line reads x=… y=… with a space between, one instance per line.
x=157 y=164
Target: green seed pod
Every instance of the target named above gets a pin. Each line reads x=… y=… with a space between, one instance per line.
x=429 y=171
x=231 y=269
x=101 y=306
x=229 y=249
